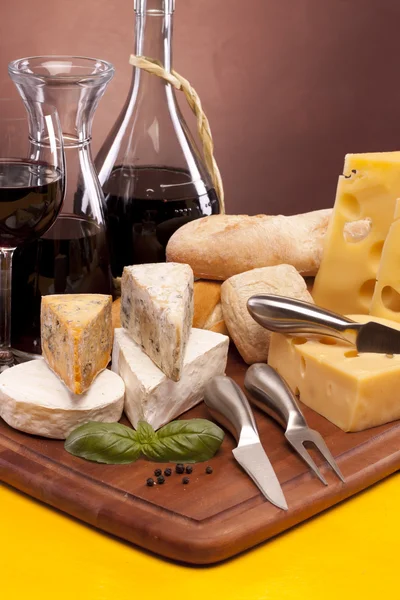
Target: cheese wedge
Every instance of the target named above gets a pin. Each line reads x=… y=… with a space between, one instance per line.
x=157 y=311
x=150 y=395
x=368 y=189
x=76 y=334
x=386 y=298
x=353 y=391
x=34 y=400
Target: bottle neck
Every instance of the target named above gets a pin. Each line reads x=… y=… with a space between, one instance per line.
x=154 y=37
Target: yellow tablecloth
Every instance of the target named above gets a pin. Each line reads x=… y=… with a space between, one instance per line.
x=350 y=552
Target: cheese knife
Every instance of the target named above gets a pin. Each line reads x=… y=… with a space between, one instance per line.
x=296 y=317
x=230 y=407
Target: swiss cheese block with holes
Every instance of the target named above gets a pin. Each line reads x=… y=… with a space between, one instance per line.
x=353 y=391
x=386 y=298
x=150 y=395
x=76 y=335
x=367 y=190
x=157 y=311
x=34 y=400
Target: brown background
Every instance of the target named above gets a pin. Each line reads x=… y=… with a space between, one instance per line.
x=289 y=86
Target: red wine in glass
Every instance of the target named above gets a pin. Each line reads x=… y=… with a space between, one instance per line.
x=30 y=198
x=32 y=189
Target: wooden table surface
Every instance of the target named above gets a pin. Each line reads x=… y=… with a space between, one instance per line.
x=349 y=552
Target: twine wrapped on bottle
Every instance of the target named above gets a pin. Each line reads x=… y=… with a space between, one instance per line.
x=203 y=127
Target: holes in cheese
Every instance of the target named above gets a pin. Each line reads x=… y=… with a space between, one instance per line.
x=366 y=292
x=327 y=341
x=350 y=206
x=297 y=341
x=391 y=298
x=351 y=354
x=375 y=253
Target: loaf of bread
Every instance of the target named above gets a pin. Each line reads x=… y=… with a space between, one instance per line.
x=220 y=246
x=207 y=307
x=250 y=338
x=116 y=314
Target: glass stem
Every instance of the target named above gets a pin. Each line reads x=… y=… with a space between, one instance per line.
x=6 y=355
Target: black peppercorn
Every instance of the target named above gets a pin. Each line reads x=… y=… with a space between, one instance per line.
x=168 y=472
x=160 y=479
x=157 y=472
x=150 y=482
x=189 y=469
x=179 y=469
x=185 y=480
x=209 y=470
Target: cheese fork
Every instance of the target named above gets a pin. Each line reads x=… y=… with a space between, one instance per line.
x=270 y=392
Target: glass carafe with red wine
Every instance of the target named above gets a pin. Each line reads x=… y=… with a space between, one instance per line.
x=72 y=257
x=32 y=185
x=153 y=176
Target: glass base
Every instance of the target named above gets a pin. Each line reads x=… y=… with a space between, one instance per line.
x=21 y=357
x=6 y=359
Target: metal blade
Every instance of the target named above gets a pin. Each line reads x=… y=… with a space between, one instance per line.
x=256 y=463
x=374 y=337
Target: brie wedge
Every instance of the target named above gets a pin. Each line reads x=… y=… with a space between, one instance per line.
x=33 y=399
x=150 y=395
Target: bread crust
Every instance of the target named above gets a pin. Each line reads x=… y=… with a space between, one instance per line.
x=220 y=246
x=249 y=337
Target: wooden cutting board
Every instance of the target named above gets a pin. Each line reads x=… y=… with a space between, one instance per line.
x=215 y=516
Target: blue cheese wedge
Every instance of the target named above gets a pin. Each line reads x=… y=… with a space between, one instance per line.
x=150 y=395
x=76 y=334
x=157 y=312
x=34 y=400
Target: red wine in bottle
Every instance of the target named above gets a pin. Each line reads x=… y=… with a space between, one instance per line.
x=30 y=197
x=144 y=207
x=70 y=258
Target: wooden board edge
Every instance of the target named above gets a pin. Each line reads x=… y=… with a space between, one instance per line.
x=193 y=542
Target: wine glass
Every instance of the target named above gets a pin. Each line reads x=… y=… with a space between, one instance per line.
x=32 y=187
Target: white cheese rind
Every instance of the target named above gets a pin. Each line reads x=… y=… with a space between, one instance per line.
x=150 y=395
x=157 y=311
x=34 y=400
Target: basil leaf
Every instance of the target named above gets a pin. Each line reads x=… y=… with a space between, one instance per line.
x=146 y=436
x=194 y=440
x=109 y=443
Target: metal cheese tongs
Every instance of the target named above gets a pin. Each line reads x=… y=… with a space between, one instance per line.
x=269 y=391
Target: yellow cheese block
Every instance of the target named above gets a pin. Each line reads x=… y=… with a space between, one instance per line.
x=353 y=391
x=368 y=189
x=77 y=335
x=386 y=298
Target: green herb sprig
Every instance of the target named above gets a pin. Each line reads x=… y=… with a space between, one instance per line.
x=190 y=441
